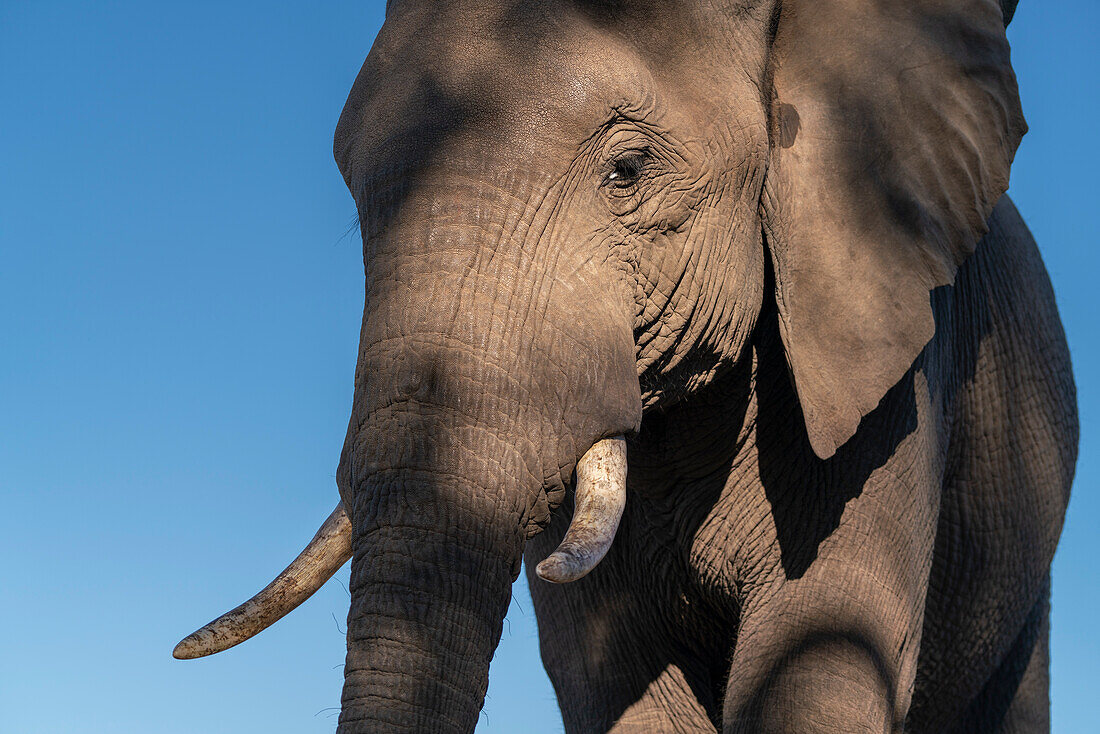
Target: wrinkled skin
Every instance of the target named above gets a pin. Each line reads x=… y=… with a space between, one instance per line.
x=742 y=236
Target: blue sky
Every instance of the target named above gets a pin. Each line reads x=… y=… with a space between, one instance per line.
x=179 y=311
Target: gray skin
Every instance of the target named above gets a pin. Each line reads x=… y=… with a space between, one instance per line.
x=769 y=244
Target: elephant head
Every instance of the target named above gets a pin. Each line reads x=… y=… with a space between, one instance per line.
x=573 y=213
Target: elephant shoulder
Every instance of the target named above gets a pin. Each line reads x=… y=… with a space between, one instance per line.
x=1004 y=348
x=1011 y=410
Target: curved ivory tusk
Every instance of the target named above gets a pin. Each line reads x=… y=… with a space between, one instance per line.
x=326 y=553
x=601 y=497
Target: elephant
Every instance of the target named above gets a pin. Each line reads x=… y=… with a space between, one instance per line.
x=718 y=315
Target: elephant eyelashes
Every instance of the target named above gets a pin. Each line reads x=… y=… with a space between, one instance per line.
x=627 y=169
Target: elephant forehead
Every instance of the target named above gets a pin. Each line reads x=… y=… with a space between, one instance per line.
x=511 y=51
x=459 y=71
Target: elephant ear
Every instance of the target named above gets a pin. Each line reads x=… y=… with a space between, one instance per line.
x=893 y=126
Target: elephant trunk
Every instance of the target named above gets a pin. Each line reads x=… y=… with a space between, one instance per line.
x=489 y=364
x=452 y=461
x=427 y=609
x=442 y=500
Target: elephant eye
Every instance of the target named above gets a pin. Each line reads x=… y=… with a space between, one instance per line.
x=626 y=169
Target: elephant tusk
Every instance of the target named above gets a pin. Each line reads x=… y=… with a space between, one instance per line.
x=326 y=553
x=601 y=497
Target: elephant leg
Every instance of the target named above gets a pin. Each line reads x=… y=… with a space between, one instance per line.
x=824 y=670
x=668 y=704
x=1029 y=712
x=830 y=632
x=614 y=663
x=1016 y=699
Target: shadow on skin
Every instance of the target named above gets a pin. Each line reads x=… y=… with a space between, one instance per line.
x=637 y=664
x=428 y=118
x=807 y=494
x=797 y=661
x=698 y=635
x=657 y=658
x=991 y=707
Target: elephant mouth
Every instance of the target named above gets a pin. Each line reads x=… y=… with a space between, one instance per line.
x=600 y=500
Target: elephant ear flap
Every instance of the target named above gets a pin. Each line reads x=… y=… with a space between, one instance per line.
x=893 y=125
